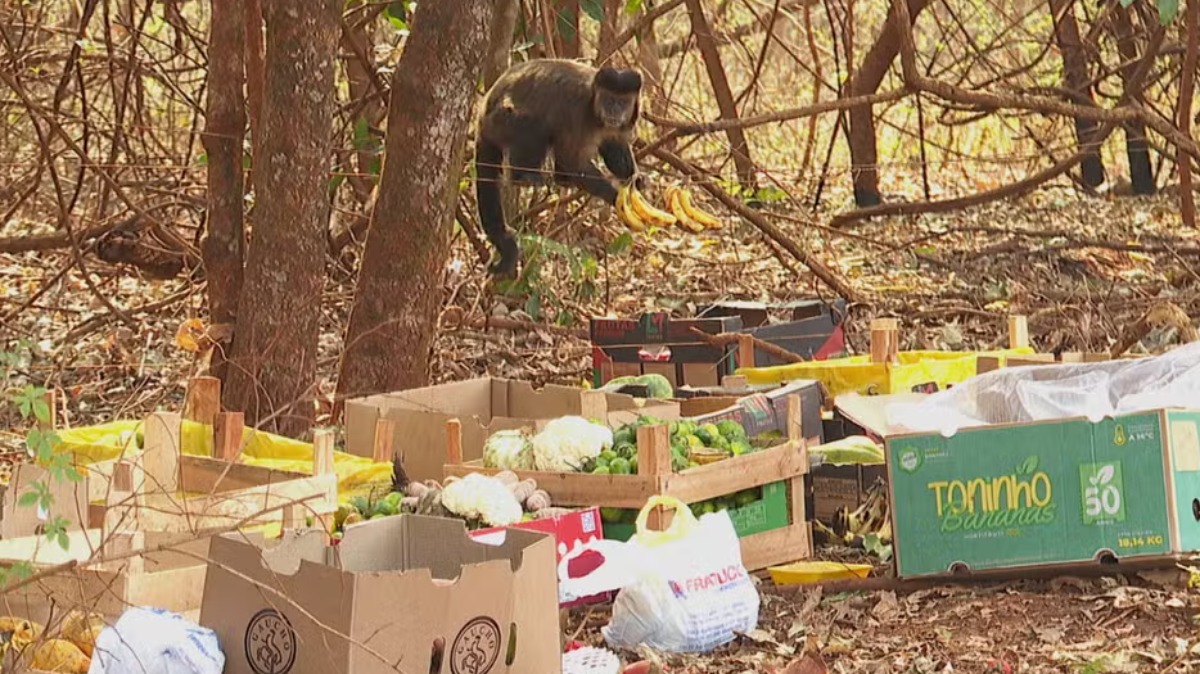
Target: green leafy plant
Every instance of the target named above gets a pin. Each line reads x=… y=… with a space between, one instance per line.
x=40 y=440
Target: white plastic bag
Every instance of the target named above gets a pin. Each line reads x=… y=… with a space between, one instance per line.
x=154 y=641
x=692 y=592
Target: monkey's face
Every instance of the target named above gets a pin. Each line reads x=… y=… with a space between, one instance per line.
x=615 y=110
x=615 y=96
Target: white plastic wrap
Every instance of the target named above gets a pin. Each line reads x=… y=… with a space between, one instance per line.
x=1042 y=392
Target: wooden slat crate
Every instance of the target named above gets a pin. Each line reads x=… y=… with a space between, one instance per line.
x=786 y=462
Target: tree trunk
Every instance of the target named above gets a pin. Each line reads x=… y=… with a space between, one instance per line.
x=255 y=75
x=864 y=157
x=1077 y=81
x=609 y=29
x=361 y=79
x=722 y=92
x=500 y=40
x=394 y=319
x=566 y=28
x=224 y=131
x=275 y=342
x=1187 y=87
x=1137 y=148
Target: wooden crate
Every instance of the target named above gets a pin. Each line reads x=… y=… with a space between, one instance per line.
x=786 y=462
x=163 y=490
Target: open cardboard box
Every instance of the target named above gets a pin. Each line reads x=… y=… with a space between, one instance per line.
x=1063 y=492
x=484 y=406
x=406 y=593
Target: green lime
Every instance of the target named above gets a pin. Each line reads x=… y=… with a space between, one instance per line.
x=601 y=470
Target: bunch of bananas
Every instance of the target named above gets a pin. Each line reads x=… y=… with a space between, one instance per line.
x=637 y=213
x=871 y=517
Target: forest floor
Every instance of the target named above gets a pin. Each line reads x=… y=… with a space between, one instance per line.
x=1080 y=267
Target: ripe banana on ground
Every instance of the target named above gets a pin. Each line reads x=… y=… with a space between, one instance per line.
x=625 y=212
x=682 y=207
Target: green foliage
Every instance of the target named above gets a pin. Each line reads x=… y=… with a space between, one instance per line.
x=398 y=14
x=30 y=403
x=633 y=7
x=593 y=8
x=537 y=254
x=1167 y=11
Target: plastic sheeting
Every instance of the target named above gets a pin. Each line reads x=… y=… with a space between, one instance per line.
x=1043 y=392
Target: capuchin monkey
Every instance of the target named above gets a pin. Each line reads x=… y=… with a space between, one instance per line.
x=558 y=105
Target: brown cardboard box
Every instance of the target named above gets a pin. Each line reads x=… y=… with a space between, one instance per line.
x=383 y=600
x=484 y=406
x=846 y=487
x=765 y=411
x=70 y=502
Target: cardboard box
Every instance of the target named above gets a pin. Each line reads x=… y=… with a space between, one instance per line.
x=484 y=406
x=835 y=487
x=814 y=331
x=570 y=531
x=1061 y=492
x=654 y=343
x=17 y=521
x=408 y=592
x=763 y=411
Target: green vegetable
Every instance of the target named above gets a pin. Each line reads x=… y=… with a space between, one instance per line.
x=708 y=433
x=731 y=430
x=740 y=447
x=607 y=456
x=619 y=467
x=625 y=435
x=745 y=497
x=633 y=464
x=611 y=515
x=601 y=470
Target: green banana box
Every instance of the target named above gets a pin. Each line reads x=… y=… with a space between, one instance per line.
x=1064 y=492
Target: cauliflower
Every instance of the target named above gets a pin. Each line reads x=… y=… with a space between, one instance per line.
x=479 y=497
x=509 y=450
x=567 y=442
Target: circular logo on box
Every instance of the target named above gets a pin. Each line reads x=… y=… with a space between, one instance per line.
x=270 y=643
x=476 y=648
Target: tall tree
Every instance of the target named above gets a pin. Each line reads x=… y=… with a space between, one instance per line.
x=711 y=54
x=1078 y=85
x=864 y=156
x=399 y=292
x=1137 y=148
x=273 y=366
x=224 y=132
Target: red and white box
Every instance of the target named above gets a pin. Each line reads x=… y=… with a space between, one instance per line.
x=571 y=531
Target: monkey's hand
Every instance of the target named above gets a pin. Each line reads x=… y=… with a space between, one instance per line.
x=638 y=181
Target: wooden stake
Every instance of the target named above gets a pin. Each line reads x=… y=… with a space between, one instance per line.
x=323 y=451
x=745 y=354
x=229 y=429
x=203 y=400
x=734 y=382
x=885 y=340
x=51 y=422
x=454 y=453
x=593 y=405
x=385 y=437
x=160 y=458
x=654 y=450
x=1018 y=332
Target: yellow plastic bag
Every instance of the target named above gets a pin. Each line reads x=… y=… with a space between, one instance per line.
x=103 y=443
x=857 y=374
x=682 y=524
